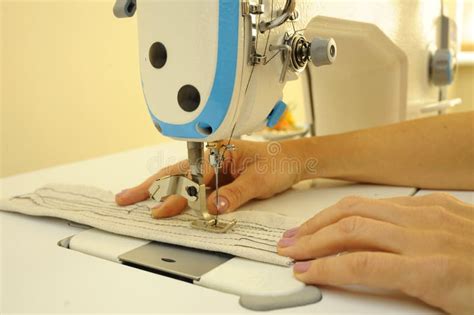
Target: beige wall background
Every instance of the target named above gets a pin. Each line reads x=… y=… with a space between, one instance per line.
x=70 y=86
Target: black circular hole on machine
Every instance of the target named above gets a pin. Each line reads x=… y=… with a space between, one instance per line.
x=332 y=50
x=189 y=98
x=158 y=55
x=131 y=7
x=204 y=128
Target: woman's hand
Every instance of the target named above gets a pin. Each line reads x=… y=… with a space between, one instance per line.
x=255 y=170
x=422 y=246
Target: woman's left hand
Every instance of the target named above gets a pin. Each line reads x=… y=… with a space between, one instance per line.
x=422 y=246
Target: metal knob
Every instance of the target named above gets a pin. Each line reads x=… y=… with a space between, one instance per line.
x=442 y=67
x=323 y=51
x=125 y=8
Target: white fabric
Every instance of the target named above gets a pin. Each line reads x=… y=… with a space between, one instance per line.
x=254 y=236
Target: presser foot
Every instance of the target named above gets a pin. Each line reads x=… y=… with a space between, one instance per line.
x=196 y=197
x=213 y=225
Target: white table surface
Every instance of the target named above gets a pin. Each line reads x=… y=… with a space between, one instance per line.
x=37 y=276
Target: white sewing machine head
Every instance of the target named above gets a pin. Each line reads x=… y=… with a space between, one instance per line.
x=215 y=69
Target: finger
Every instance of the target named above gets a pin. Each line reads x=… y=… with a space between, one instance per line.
x=232 y=196
x=350 y=234
x=362 y=234
x=423 y=217
x=215 y=206
x=354 y=206
x=140 y=192
x=371 y=269
x=444 y=200
x=422 y=277
x=173 y=205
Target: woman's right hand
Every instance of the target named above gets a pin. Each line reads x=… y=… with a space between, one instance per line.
x=255 y=170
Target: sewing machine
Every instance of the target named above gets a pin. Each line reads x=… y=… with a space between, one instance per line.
x=215 y=70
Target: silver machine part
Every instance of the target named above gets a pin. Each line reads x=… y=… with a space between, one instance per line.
x=287 y=12
x=442 y=68
x=194 y=190
x=296 y=51
x=323 y=51
x=125 y=8
x=195 y=158
x=443 y=60
x=182 y=262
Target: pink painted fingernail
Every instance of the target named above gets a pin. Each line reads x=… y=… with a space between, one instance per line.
x=286 y=242
x=123 y=192
x=291 y=232
x=301 y=266
x=222 y=204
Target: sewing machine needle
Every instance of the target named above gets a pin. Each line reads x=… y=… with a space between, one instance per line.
x=216 y=171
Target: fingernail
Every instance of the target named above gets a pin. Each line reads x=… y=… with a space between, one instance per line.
x=155 y=212
x=222 y=204
x=301 y=266
x=291 y=232
x=123 y=192
x=286 y=242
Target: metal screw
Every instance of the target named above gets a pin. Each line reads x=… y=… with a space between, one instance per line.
x=191 y=191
